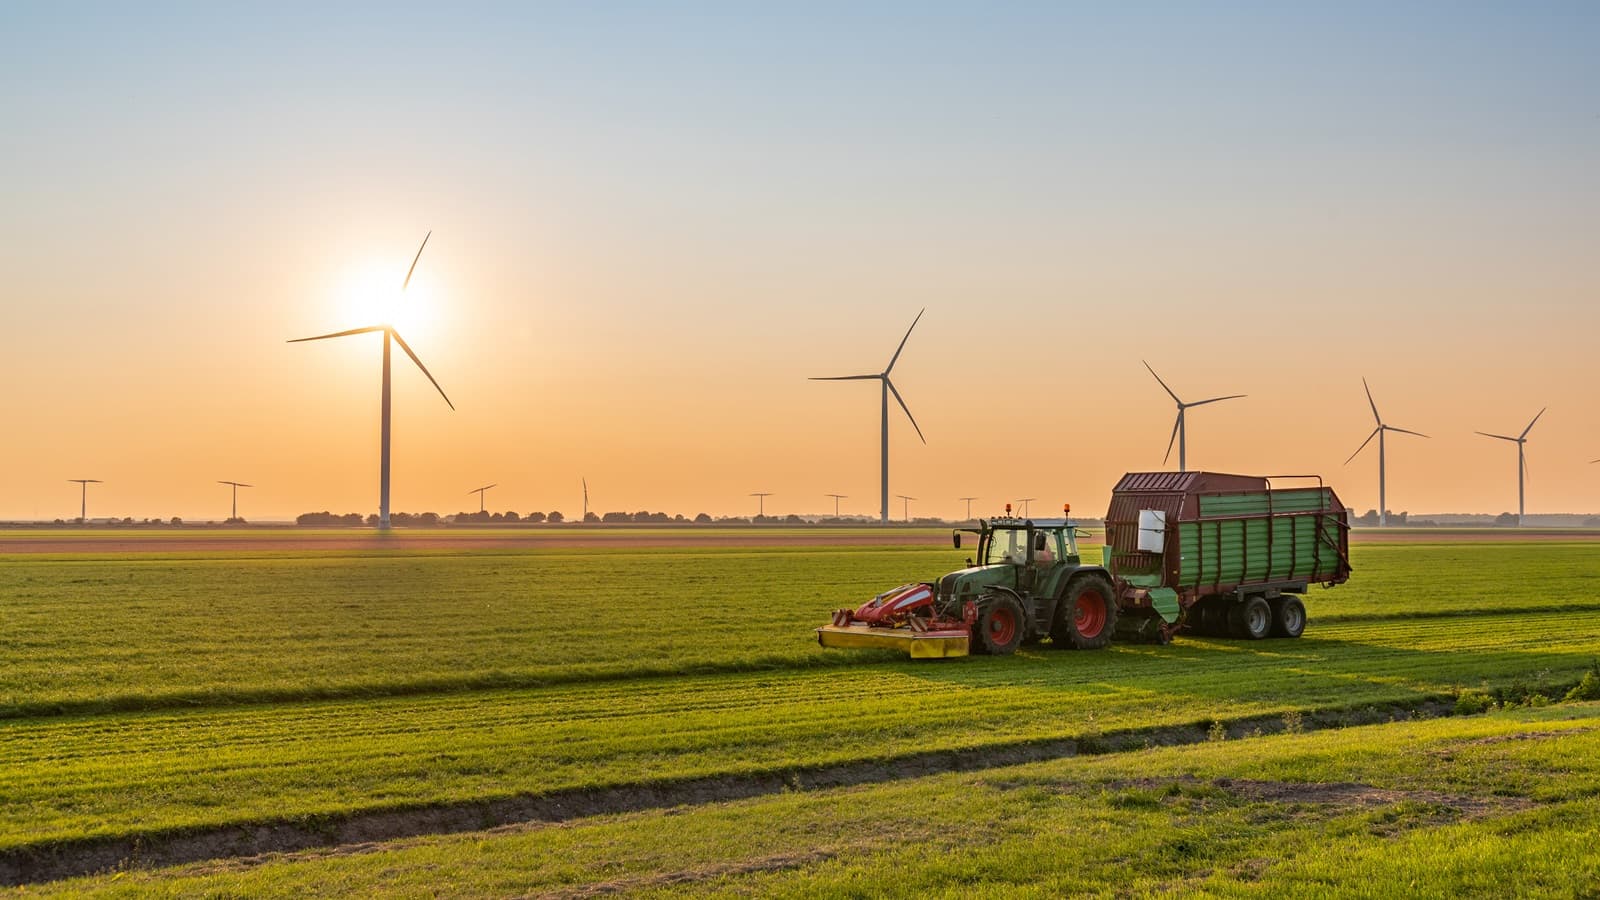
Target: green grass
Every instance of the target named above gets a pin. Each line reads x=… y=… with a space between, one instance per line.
x=401 y=679
x=144 y=631
x=1502 y=805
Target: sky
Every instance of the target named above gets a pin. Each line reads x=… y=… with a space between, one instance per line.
x=651 y=223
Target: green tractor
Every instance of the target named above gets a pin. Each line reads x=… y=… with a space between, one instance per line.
x=1026 y=584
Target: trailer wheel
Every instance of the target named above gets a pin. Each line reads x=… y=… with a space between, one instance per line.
x=998 y=631
x=1086 y=615
x=1252 y=619
x=1288 y=617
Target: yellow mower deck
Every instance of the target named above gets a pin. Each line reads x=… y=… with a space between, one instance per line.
x=921 y=645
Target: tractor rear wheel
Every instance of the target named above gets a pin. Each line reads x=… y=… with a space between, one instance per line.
x=1252 y=619
x=1288 y=617
x=999 y=628
x=1086 y=615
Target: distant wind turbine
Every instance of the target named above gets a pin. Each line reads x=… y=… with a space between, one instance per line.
x=1522 y=460
x=1025 y=501
x=761 y=503
x=1383 y=508
x=480 y=492
x=389 y=334
x=1179 y=428
x=236 y=485
x=969 y=506
x=585 y=500
x=83 y=496
x=907 y=505
x=888 y=388
x=836 y=499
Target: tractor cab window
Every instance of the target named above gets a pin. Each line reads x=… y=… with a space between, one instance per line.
x=1007 y=545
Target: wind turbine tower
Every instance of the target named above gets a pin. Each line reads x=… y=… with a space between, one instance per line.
x=1179 y=428
x=83 y=496
x=1522 y=461
x=389 y=335
x=480 y=491
x=969 y=506
x=836 y=499
x=1383 y=503
x=887 y=389
x=585 y=500
x=1025 y=501
x=236 y=485
x=761 y=503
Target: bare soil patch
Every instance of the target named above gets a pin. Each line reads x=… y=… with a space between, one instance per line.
x=287 y=541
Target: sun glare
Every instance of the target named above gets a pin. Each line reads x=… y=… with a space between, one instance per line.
x=370 y=294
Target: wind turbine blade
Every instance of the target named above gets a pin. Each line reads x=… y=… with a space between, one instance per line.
x=1530 y=424
x=1593 y=461
x=414 y=261
x=1404 y=430
x=1171 y=440
x=491 y=486
x=1364 y=444
x=1216 y=400
x=846 y=378
x=903 y=340
x=906 y=408
x=1500 y=436
x=1375 y=416
x=323 y=337
x=1163 y=384
x=407 y=348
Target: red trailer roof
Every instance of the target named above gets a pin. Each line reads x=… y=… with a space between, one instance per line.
x=1185 y=482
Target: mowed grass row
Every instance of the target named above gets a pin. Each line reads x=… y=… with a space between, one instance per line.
x=141 y=632
x=142 y=774
x=1504 y=804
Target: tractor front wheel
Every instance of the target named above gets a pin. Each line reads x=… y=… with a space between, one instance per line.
x=1086 y=615
x=998 y=631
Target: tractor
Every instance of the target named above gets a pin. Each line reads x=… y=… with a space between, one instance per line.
x=1025 y=584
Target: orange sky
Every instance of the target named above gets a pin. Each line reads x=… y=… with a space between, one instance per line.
x=633 y=273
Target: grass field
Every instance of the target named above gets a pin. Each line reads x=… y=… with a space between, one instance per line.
x=151 y=696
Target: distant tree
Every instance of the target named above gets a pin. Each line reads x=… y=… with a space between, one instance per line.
x=679 y=518
x=535 y=517
x=1505 y=520
x=557 y=518
x=512 y=516
x=372 y=519
x=127 y=520
x=616 y=517
x=1370 y=517
x=355 y=519
x=702 y=519
x=792 y=519
x=590 y=517
x=177 y=521
x=428 y=518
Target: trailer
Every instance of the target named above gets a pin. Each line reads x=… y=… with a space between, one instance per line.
x=1221 y=555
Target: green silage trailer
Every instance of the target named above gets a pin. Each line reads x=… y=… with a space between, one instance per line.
x=1222 y=555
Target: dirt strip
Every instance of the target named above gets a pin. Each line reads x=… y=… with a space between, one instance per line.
x=68 y=859
x=289 y=542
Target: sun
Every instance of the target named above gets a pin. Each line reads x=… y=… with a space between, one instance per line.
x=369 y=293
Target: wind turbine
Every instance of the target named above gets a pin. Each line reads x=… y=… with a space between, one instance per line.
x=1025 y=501
x=969 y=506
x=761 y=503
x=83 y=496
x=389 y=334
x=585 y=500
x=907 y=505
x=1522 y=461
x=1383 y=508
x=836 y=499
x=888 y=388
x=480 y=492
x=1179 y=429
x=236 y=486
